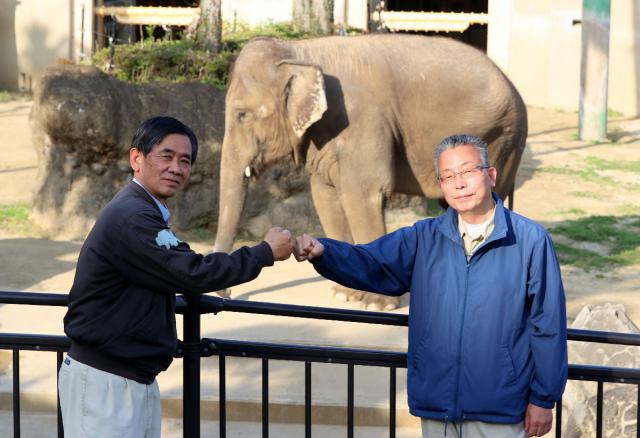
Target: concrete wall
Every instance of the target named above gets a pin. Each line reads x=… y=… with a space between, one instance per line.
x=351 y=13
x=33 y=34
x=538 y=47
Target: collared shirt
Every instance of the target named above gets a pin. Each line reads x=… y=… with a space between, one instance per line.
x=474 y=234
x=166 y=214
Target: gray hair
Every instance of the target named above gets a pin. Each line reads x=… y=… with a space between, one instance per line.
x=453 y=141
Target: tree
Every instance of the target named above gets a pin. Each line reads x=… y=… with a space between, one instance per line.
x=209 y=29
x=315 y=16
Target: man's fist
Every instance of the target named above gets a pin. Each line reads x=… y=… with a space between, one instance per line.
x=281 y=243
x=537 y=420
x=307 y=248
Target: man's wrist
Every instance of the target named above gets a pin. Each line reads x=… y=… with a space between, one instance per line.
x=264 y=253
x=546 y=404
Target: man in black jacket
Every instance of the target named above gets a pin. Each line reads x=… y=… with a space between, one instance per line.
x=121 y=316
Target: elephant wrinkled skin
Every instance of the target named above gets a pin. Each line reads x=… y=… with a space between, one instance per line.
x=364 y=115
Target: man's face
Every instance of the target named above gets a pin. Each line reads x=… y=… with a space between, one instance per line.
x=166 y=168
x=465 y=185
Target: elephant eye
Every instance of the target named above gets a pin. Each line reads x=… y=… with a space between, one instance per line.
x=241 y=116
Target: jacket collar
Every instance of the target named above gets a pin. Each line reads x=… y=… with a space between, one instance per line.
x=142 y=192
x=449 y=223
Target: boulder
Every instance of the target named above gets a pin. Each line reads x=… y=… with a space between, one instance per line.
x=620 y=400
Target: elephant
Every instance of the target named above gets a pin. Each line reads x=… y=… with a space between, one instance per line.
x=363 y=114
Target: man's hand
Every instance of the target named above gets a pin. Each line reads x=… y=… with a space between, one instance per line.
x=307 y=248
x=281 y=243
x=537 y=420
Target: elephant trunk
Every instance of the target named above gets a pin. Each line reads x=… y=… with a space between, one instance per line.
x=233 y=192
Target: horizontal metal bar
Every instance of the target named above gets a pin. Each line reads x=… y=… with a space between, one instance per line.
x=603 y=337
x=34 y=298
x=596 y=373
x=306 y=353
x=211 y=304
x=40 y=342
x=34 y=342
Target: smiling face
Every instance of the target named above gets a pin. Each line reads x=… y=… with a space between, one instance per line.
x=166 y=168
x=469 y=191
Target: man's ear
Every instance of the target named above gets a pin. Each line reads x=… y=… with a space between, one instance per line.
x=135 y=159
x=493 y=175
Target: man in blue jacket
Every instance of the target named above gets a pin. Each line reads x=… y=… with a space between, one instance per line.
x=487 y=319
x=121 y=318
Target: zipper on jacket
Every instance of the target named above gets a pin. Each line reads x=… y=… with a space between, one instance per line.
x=459 y=352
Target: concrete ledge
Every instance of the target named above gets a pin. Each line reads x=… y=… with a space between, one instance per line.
x=249 y=411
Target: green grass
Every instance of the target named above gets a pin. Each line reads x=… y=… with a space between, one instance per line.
x=588 y=194
x=589 y=170
x=15 y=218
x=5 y=96
x=569 y=212
x=619 y=235
x=614 y=113
x=623 y=166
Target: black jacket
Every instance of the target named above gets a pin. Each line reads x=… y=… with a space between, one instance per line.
x=121 y=306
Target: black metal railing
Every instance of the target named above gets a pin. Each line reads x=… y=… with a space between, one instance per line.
x=193 y=348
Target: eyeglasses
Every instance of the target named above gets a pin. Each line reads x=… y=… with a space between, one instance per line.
x=466 y=174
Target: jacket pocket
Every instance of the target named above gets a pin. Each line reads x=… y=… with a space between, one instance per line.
x=508 y=365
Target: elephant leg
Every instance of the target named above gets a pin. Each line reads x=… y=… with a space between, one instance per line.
x=365 y=211
x=335 y=225
x=332 y=217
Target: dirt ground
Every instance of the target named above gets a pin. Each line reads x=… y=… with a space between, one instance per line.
x=33 y=263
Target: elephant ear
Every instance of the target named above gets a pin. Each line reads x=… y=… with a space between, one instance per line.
x=304 y=96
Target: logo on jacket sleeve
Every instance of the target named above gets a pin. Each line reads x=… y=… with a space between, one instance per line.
x=167 y=239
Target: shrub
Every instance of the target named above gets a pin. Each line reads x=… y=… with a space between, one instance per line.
x=183 y=60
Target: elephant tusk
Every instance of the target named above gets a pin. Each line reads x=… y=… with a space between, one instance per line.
x=247 y=171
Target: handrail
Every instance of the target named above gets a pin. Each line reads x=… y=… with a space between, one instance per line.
x=295 y=352
x=210 y=304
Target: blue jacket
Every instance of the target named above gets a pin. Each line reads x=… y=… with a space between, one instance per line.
x=487 y=336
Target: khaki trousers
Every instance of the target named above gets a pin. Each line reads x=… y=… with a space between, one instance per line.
x=472 y=429
x=98 y=404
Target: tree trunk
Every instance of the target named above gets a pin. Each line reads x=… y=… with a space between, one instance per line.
x=209 y=32
x=315 y=16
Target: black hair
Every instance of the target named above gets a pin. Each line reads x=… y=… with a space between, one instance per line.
x=152 y=131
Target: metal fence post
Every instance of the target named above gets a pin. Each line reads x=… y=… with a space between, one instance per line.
x=191 y=367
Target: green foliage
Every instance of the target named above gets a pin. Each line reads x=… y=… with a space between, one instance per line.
x=183 y=60
x=236 y=35
x=170 y=61
x=5 y=96
x=433 y=208
x=618 y=235
x=14 y=218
